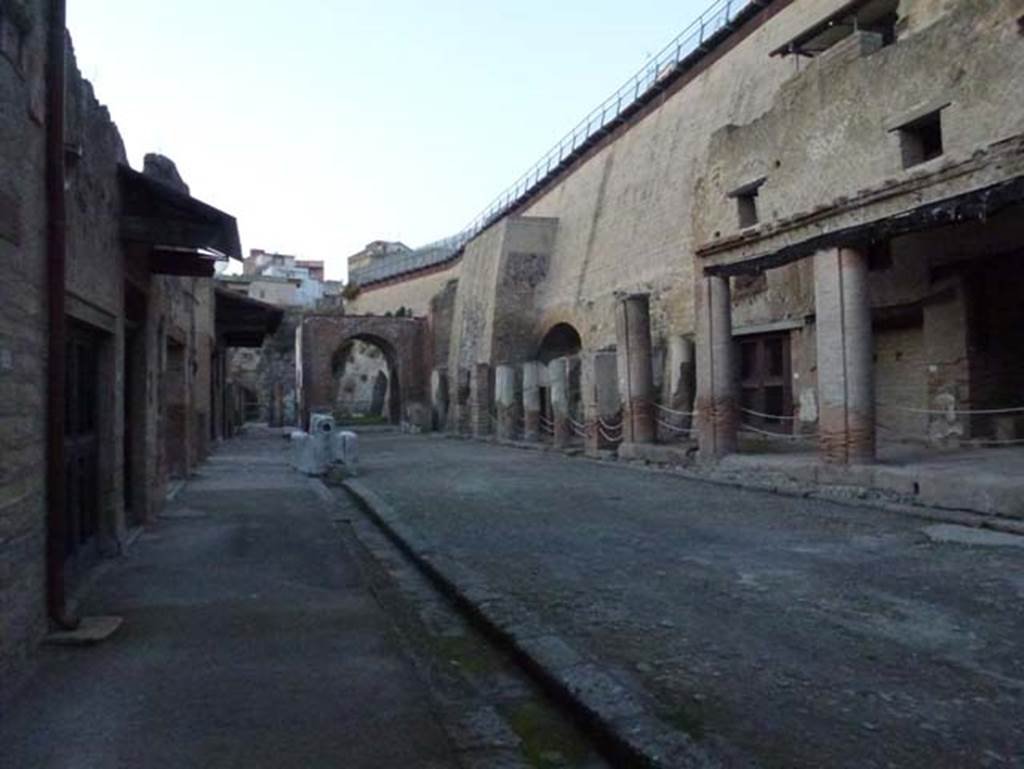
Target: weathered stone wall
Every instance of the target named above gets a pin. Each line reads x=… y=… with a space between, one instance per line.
x=361 y=371
x=95 y=278
x=623 y=211
x=23 y=334
x=830 y=131
x=413 y=294
x=653 y=204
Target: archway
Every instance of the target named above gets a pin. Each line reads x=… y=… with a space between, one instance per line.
x=404 y=346
x=563 y=341
x=366 y=380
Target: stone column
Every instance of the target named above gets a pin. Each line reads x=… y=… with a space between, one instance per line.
x=558 y=382
x=531 y=401
x=439 y=397
x=636 y=376
x=480 y=399
x=505 y=402
x=460 y=412
x=846 y=393
x=679 y=383
x=600 y=384
x=717 y=386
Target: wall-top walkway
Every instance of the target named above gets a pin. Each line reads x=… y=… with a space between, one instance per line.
x=803 y=632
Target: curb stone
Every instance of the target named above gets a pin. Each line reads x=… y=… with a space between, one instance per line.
x=621 y=719
x=851 y=496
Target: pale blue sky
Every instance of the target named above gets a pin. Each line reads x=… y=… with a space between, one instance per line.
x=324 y=124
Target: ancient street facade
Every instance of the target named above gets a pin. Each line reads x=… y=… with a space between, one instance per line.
x=112 y=338
x=701 y=446
x=732 y=257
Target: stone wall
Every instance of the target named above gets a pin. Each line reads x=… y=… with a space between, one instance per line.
x=638 y=210
x=95 y=278
x=23 y=335
x=412 y=294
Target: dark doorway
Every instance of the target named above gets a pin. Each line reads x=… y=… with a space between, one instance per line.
x=81 y=448
x=766 y=382
x=561 y=341
x=176 y=427
x=134 y=404
x=366 y=380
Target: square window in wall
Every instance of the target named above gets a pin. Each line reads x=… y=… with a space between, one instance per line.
x=746 y=203
x=921 y=140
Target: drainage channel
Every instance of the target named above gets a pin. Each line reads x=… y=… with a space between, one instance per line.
x=494 y=714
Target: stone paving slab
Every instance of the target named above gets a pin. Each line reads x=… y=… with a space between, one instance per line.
x=801 y=632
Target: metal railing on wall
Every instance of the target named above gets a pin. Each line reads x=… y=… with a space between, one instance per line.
x=692 y=40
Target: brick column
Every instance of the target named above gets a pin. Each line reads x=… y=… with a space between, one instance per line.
x=717 y=387
x=846 y=421
x=636 y=376
x=505 y=402
x=558 y=381
x=531 y=401
x=480 y=399
x=600 y=384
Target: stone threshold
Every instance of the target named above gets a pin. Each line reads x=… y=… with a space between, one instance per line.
x=620 y=718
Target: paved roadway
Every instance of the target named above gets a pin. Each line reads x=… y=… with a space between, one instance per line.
x=806 y=633
x=250 y=640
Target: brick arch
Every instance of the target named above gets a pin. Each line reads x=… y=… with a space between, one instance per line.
x=559 y=340
x=402 y=341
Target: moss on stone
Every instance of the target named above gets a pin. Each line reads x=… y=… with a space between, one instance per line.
x=549 y=742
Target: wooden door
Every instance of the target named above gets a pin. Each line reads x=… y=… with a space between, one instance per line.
x=766 y=392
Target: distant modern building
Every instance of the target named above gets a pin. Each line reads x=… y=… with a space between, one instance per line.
x=282 y=280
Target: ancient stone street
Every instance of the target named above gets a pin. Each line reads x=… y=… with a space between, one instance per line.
x=805 y=633
x=633 y=385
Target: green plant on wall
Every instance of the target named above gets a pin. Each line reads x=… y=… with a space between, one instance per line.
x=351 y=291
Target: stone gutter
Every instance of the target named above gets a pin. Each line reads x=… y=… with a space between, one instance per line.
x=621 y=720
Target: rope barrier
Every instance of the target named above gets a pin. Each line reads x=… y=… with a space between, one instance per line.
x=674 y=428
x=1015 y=410
x=610 y=427
x=777 y=436
x=609 y=438
x=667 y=410
x=768 y=416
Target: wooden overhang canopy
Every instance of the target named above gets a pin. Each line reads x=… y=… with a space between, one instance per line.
x=184 y=236
x=244 y=322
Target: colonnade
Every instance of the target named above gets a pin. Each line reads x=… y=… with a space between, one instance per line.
x=617 y=401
